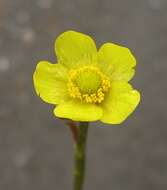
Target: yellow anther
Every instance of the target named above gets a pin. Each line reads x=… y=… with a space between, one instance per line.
x=95 y=97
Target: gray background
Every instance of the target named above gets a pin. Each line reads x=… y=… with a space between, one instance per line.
x=36 y=151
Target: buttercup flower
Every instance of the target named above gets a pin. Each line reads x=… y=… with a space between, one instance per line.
x=86 y=84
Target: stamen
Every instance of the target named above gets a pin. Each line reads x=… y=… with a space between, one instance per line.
x=75 y=89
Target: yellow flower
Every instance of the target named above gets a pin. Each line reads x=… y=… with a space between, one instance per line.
x=86 y=84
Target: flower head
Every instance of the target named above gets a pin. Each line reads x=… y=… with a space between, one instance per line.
x=86 y=84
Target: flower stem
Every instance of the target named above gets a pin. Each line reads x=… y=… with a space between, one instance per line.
x=80 y=148
x=73 y=129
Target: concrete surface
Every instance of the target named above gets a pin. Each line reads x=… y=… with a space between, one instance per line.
x=36 y=150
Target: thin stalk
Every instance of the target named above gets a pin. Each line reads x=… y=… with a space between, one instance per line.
x=80 y=156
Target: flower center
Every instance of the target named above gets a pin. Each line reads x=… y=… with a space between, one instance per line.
x=88 y=84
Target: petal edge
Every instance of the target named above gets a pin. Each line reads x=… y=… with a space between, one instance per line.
x=78 y=111
x=71 y=47
x=120 y=103
x=116 y=61
x=50 y=82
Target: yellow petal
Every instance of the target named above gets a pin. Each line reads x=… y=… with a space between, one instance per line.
x=78 y=111
x=117 y=62
x=119 y=103
x=50 y=82
x=71 y=47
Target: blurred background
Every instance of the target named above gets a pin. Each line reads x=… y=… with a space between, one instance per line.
x=36 y=150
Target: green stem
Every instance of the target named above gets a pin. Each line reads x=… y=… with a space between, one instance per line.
x=80 y=148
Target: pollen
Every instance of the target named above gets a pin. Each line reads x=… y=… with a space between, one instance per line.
x=88 y=84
